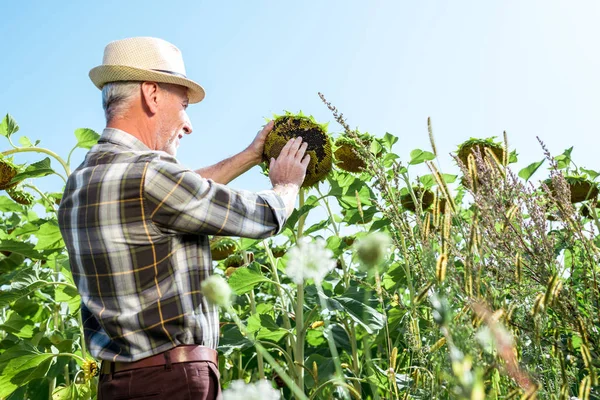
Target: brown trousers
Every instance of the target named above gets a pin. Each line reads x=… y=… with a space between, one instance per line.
x=197 y=380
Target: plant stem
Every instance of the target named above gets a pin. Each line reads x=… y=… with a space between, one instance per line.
x=282 y=374
x=259 y=357
x=81 y=333
x=41 y=150
x=299 y=353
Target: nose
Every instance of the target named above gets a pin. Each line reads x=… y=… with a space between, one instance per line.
x=187 y=126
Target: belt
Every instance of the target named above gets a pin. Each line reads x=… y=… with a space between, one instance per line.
x=179 y=354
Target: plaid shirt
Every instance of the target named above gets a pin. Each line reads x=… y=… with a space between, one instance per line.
x=135 y=223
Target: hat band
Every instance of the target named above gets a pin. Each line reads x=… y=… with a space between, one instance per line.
x=171 y=72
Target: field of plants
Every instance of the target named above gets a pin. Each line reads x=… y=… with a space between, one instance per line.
x=384 y=284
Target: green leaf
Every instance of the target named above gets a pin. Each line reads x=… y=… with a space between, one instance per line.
x=362 y=314
x=23 y=283
x=25 y=141
x=591 y=173
x=86 y=138
x=23 y=248
x=429 y=181
x=49 y=237
x=7 y=204
x=21 y=364
x=419 y=156
x=244 y=279
x=389 y=140
x=317 y=227
x=564 y=160
x=35 y=170
x=18 y=326
x=69 y=295
x=528 y=171
x=8 y=126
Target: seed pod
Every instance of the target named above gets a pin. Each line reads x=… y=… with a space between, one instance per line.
x=426 y=225
x=315 y=371
x=430 y=131
x=290 y=126
x=586 y=355
x=582 y=330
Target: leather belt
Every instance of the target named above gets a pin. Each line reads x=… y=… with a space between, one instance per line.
x=179 y=354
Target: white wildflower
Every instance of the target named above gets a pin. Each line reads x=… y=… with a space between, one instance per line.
x=373 y=249
x=309 y=260
x=261 y=390
x=216 y=290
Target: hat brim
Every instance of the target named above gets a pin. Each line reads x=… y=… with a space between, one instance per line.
x=104 y=74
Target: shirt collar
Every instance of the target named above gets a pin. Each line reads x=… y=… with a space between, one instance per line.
x=122 y=138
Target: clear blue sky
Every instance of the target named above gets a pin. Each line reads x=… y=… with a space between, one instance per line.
x=476 y=67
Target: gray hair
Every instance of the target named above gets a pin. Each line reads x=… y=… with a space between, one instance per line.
x=116 y=97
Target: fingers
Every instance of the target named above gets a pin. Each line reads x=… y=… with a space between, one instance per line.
x=301 y=151
x=291 y=147
x=305 y=161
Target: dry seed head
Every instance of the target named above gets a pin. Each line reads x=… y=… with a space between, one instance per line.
x=584 y=388
x=437 y=345
x=549 y=289
x=440 y=267
x=423 y=293
x=531 y=393
x=505 y=154
x=582 y=330
x=565 y=392
x=8 y=171
x=586 y=355
x=518 y=267
x=496 y=162
x=442 y=185
x=359 y=205
x=347 y=157
x=427 y=225
x=538 y=305
x=430 y=131
x=393 y=358
x=290 y=126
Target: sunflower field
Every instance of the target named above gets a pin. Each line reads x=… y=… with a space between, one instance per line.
x=386 y=283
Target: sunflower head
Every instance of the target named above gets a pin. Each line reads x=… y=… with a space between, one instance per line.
x=425 y=196
x=346 y=155
x=235 y=260
x=290 y=126
x=222 y=247
x=20 y=196
x=581 y=188
x=472 y=145
x=8 y=171
x=90 y=369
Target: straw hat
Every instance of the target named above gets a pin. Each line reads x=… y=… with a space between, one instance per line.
x=144 y=59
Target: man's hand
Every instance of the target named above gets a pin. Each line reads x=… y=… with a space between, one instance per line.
x=256 y=148
x=287 y=172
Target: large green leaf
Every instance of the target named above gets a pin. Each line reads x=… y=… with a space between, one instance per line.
x=21 y=364
x=49 y=237
x=7 y=205
x=35 y=170
x=18 y=326
x=419 y=156
x=8 y=126
x=22 y=284
x=24 y=248
x=362 y=314
x=429 y=181
x=529 y=170
x=86 y=138
x=245 y=279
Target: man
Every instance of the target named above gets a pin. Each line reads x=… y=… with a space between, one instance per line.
x=135 y=223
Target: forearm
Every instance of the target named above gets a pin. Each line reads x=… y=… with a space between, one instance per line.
x=227 y=170
x=288 y=194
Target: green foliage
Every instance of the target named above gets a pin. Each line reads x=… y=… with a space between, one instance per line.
x=487 y=301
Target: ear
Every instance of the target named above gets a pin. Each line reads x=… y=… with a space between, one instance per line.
x=151 y=95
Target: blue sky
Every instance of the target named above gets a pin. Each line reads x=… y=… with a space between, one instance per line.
x=476 y=67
